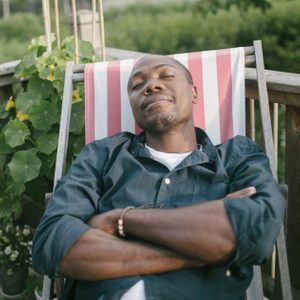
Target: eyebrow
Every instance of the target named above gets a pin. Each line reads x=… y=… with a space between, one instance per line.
x=137 y=73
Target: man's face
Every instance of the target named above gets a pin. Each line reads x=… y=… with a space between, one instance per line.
x=160 y=95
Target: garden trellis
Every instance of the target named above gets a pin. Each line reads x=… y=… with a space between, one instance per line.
x=95 y=13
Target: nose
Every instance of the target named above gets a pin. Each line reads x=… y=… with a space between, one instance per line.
x=152 y=86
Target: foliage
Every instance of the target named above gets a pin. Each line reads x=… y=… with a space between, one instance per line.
x=23 y=5
x=206 y=6
x=15 y=245
x=15 y=34
x=174 y=29
x=33 y=284
x=30 y=121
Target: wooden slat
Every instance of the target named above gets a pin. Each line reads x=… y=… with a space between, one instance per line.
x=287 y=99
x=249 y=60
x=264 y=106
x=249 y=50
x=276 y=81
x=64 y=124
x=269 y=148
x=255 y=290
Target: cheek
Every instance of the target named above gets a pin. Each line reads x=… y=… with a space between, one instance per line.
x=135 y=110
x=133 y=104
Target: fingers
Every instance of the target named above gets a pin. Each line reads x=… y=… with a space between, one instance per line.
x=246 y=192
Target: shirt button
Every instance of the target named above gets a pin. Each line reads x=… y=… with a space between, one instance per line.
x=228 y=273
x=167 y=181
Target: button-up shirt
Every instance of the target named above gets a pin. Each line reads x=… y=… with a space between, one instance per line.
x=118 y=171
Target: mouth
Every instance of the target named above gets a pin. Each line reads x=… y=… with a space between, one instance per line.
x=154 y=100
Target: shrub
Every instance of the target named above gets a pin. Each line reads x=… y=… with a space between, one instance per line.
x=31 y=121
x=17 y=30
x=170 y=29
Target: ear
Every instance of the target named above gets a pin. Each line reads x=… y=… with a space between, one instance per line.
x=195 y=94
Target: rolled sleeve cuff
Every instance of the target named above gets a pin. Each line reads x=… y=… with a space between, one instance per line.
x=48 y=253
x=253 y=242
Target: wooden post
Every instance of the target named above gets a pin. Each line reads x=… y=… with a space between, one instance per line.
x=57 y=23
x=292 y=179
x=6 y=8
x=47 y=23
x=102 y=32
x=74 y=12
x=94 y=11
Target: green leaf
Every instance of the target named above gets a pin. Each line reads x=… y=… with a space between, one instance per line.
x=9 y=205
x=4 y=149
x=40 y=87
x=13 y=188
x=86 y=51
x=26 y=67
x=48 y=162
x=2 y=184
x=39 y=41
x=77 y=118
x=3 y=113
x=15 y=133
x=26 y=100
x=47 y=143
x=24 y=166
x=2 y=160
x=43 y=114
x=37 y=188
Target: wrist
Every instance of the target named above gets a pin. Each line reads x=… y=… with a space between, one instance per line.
x=120 y=221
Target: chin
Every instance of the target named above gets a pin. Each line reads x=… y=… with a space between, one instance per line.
x=160 y=124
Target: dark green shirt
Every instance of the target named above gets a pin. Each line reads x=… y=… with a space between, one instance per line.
x=118 y=171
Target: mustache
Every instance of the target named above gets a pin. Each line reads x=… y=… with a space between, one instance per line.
x=156 y=98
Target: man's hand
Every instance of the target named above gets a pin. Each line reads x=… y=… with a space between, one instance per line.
x=246 y=192
x=107 y=222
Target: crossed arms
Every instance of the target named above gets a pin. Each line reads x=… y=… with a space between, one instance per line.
x=237 y=231
x=164 y=240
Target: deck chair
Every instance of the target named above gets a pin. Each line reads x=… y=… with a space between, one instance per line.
x=220 y=79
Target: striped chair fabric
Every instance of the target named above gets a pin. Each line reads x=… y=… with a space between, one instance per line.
x=219 y=76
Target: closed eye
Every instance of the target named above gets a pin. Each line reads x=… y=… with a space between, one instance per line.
x=136 y=85
x=167 y=75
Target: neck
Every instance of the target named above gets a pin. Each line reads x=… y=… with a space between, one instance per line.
x=173 y=141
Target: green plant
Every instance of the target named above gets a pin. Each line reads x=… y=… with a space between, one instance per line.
x=33 y=284
x=30 y=124
x=15 y=245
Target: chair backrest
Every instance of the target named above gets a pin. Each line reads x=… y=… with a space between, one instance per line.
x=218 y=75
x=220 y=79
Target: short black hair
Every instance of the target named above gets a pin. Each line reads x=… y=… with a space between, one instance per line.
x=186 y=71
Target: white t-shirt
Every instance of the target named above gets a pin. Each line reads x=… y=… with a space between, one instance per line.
x=170 y=160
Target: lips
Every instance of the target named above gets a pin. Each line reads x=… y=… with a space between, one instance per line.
x=155 y=99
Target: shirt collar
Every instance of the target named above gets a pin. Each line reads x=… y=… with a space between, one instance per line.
x=138 y=148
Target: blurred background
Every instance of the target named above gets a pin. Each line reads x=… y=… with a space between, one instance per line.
x=167 y=26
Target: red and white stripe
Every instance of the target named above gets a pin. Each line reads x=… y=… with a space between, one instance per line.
x=218 y=76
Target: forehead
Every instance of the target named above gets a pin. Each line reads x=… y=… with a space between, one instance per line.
x=150 y=62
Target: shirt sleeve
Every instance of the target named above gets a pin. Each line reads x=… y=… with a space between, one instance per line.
x=256 y=220
x=74 y=201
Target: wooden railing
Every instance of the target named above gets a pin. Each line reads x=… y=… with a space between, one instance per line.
x=283 y=89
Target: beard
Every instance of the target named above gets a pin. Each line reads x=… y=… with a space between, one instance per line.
x=160 y=123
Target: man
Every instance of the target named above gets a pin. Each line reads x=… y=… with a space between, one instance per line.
x=162 y=215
